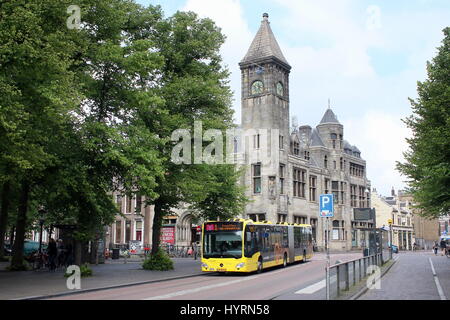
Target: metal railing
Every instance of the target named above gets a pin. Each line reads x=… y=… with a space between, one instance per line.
x=182 y=251
x=347 y=274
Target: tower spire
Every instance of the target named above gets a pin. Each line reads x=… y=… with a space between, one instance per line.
x=264 y=45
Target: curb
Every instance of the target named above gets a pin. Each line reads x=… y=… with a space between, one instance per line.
x=107 y=287
x=365 y=289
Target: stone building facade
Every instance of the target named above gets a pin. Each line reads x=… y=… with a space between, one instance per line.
x=426 y=230
x=399 y=209
x=288 y=167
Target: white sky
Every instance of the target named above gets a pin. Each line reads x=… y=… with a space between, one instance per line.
x=366 y=56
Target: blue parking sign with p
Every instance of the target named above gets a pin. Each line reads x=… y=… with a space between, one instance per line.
x=326 y=206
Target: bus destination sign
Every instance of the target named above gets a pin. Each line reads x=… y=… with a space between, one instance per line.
x=223 y=226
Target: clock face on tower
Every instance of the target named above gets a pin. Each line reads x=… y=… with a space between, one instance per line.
x=279 y=89
x=257 y=87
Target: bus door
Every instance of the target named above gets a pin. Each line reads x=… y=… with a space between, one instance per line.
x=291 y=244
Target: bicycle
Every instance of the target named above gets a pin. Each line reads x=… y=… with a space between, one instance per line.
x=40 y=260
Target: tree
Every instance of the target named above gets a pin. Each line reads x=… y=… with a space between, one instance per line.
x=427 y=162
x=194 y=86
x=69 y=110
x=37 y=93
x=219 y=195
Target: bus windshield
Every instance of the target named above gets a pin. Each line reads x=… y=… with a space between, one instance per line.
x=222 y=240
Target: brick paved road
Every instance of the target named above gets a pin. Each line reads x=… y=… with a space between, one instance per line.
x=411 y=278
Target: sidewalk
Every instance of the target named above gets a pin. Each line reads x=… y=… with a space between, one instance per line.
x=27 y=284
x=411 y=278
x=23 y=284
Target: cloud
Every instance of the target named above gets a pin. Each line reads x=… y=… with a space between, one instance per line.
x=367 y=58
x=381 y=139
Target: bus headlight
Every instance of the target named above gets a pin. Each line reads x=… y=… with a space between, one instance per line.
x=240 y=265
x=204 y=265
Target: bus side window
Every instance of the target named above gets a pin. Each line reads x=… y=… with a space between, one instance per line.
x=260 y=234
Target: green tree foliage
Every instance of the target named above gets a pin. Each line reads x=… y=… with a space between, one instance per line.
x=159 y=261
x=89 y=111
x=219 y=195
x=70 y=129
x=37 y=93
x=194 y=88
x=427 y=164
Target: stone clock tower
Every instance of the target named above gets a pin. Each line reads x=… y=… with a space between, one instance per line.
x=265 y=111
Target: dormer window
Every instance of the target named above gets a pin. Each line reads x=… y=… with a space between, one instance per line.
x=296 y=148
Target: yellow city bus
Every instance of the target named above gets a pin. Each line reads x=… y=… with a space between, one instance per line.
x=239 y=245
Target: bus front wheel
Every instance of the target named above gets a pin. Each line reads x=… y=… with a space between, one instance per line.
x=285 y=261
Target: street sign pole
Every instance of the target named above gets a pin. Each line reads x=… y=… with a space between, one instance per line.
x=328 y=262
x=326 y=210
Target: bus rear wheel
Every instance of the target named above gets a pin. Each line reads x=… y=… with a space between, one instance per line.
x=285 y=261
x=304 y=256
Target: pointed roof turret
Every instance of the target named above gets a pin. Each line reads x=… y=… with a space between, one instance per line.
x=264 y=45
x=329 y=117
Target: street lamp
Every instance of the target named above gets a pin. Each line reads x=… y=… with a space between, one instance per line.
x=42 y=213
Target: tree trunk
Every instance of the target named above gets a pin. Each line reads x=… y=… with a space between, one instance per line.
x=157 y=221
x=77 y=252
x=4 y=216
x=11 y=237
x=94 y=249
x=17 y=259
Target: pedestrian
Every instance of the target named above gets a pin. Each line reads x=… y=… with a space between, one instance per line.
x=443 y=246
x=414 y=246
x=52 y=251
x=69 y=255
x=435 y=247
x=61 y=253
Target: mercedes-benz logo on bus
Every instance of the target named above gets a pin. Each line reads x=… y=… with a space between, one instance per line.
x=221 y=265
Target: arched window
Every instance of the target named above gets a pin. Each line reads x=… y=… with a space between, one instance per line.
x=280 y=89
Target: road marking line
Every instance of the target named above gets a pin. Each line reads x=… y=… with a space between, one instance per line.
x=312 y=288
x=183 y=292
x=316 y=286
x=436 y=280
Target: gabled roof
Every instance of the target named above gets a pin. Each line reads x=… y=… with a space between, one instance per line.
x=313 y=162
x=316 y=141
x=264 y=44
x=329 y=117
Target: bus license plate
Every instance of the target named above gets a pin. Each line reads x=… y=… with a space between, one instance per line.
x=221 y=270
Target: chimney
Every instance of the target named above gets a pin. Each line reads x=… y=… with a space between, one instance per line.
x=305 y=131
x=393 y=192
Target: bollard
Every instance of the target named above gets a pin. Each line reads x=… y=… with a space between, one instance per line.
x=354 y=272
x=347 y=276
x=359 y=273
x=337 y=280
